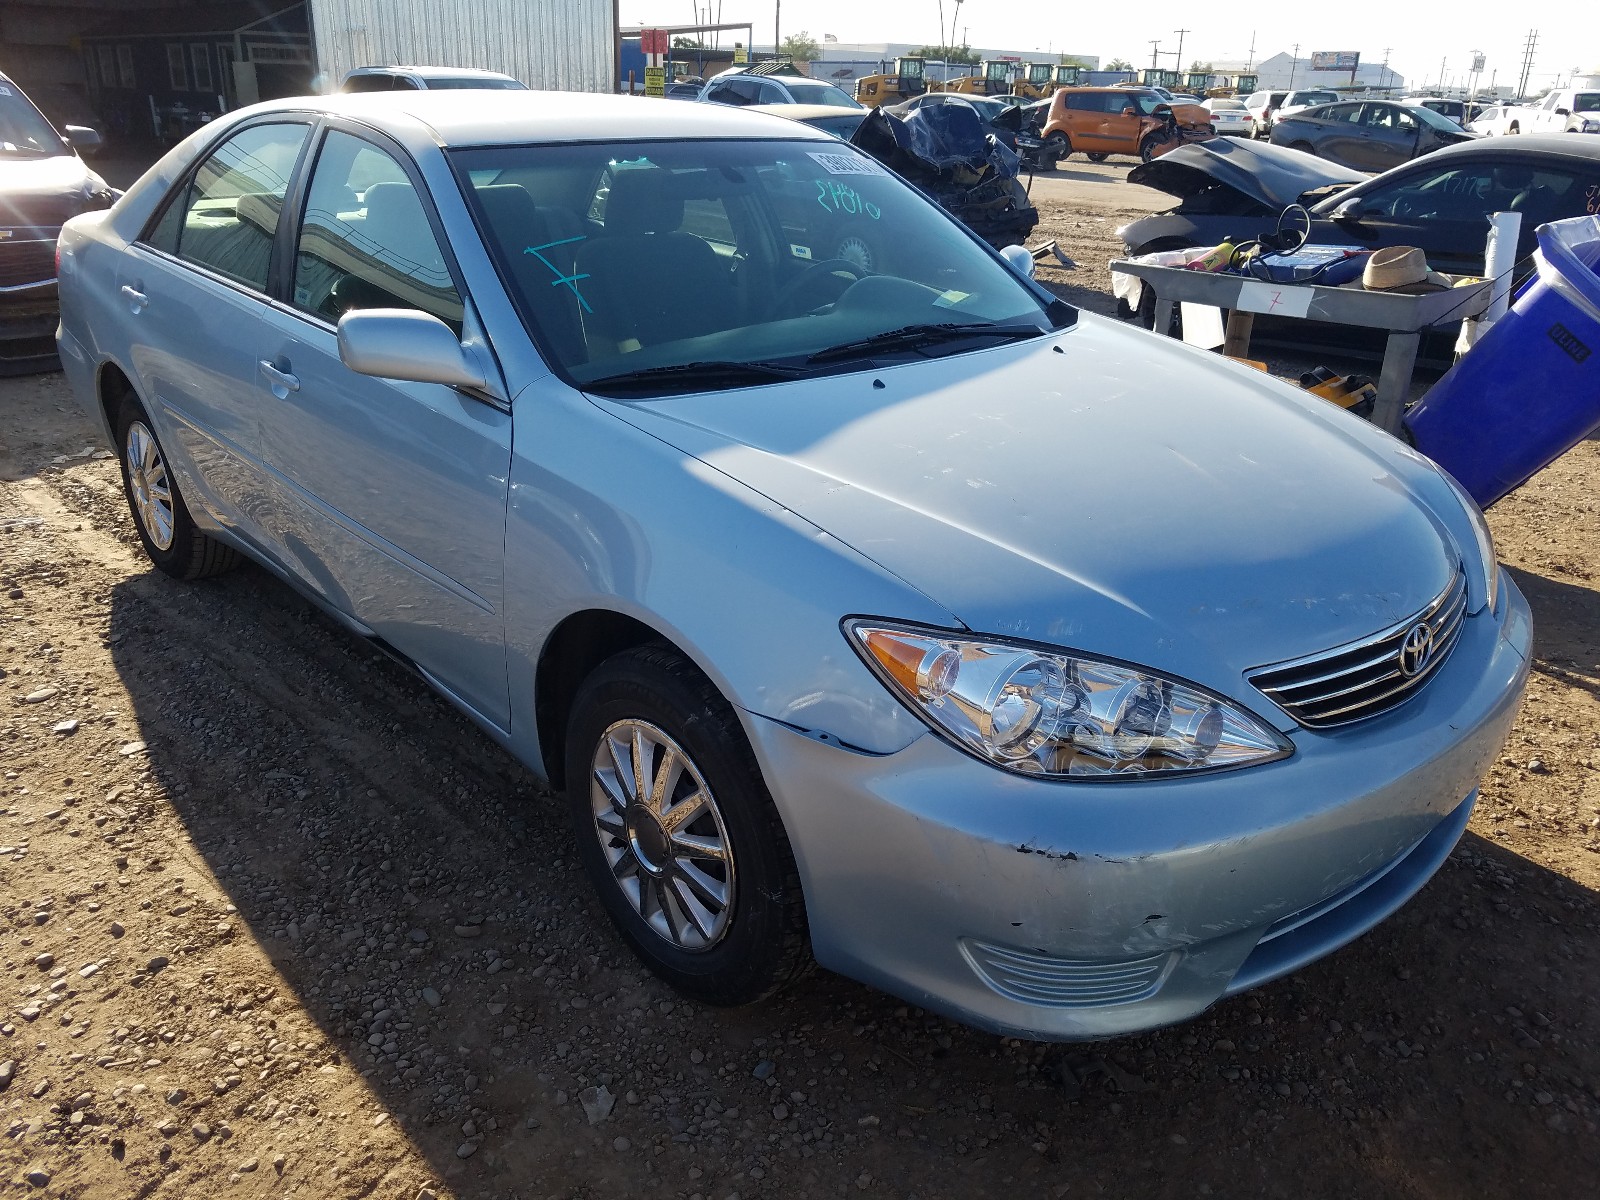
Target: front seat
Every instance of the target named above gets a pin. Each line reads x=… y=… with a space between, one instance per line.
x=647 y=282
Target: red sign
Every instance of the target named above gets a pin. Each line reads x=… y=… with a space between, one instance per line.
x=653 y=41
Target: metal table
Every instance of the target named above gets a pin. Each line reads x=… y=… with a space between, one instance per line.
x=1403 y=317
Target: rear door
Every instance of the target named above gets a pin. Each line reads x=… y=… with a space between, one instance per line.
x=390 y=496
x=1339 y=133
x=195 y=288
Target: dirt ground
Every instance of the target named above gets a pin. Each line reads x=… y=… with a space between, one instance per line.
x=279 y=922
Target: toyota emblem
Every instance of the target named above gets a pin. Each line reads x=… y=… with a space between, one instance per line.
x=1416 y=651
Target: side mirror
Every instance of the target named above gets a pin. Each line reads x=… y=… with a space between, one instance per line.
x=81 y=138
x=1563 y=112
x=1348 y=212
x=1127 y=112
x=402 y=343
x=1018 y=259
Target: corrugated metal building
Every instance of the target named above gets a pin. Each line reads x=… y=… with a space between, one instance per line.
x=566 y=45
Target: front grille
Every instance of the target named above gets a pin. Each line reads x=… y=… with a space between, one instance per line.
x=1367 y=677
x=1050 y=982
x=22 y=263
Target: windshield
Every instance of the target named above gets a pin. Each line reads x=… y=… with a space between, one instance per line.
x=807 y=91
x=1428 y=117
x=473 y=83
x=24 y=133
x=1311 y=98
x=657 y=256
x=1149 y=101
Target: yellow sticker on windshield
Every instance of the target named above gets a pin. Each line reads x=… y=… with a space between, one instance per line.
x=952 y=298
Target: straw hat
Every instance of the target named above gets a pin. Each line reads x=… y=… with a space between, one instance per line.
x=1401 y=269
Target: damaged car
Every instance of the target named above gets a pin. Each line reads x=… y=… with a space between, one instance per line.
x=991 y=653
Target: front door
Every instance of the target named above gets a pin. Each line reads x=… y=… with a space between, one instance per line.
x=391 y=495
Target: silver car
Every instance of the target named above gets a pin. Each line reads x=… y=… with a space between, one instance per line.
x=1041 y=672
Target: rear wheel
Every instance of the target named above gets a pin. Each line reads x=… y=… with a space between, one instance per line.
x=160 y=515
x=1514 y=127
x=678 y=831
x=1097 y=156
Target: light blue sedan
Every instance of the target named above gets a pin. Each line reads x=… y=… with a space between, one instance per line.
x=1041 y=672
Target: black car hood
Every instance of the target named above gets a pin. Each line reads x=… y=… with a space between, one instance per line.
x=1274 y=175
x=44 y=192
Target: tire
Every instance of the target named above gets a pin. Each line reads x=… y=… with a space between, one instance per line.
x=1514 y=127
x=1056 y=147
x=1303 y=147
x=1147 y=148
x=1097 y=156
x=755 y=943
x=166 y=529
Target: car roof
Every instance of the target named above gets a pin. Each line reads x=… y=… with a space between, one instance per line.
x=1560 y=145
x=461 y=118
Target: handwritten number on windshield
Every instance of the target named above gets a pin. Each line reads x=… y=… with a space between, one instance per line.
x=841 y=197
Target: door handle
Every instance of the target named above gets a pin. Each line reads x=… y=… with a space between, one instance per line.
x=135 y=298
x=279 y=379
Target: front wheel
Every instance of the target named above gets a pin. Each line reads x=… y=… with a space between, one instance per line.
x=679 y=833
x=165 y=527
x=1151 y=144
x=1056 y=147
x=1514 y=128
x=1098 y=156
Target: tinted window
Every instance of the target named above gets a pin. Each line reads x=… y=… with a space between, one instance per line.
x=1541 y=193
x=814 y=91
x=1088 y=101
x=231 y=208
x=368 y=83
x=771 y=93
x=475 y=83
x=365 y=241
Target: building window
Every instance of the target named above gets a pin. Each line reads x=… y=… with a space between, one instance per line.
x=201 y=55
x=177 y=70
x=125 y=67
x=108 y=65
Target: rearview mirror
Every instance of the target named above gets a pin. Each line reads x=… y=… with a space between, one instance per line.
x=1018 y=259
x=81 y=138
x=402 y=343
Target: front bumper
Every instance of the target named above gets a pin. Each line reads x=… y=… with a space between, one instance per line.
x=28 y=316
x=1066 y=911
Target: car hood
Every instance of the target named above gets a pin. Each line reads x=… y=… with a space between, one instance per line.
x=1273 y=175
x=1099 y=489
x=44 y=191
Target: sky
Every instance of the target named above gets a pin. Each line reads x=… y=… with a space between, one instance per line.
x=1418 y=37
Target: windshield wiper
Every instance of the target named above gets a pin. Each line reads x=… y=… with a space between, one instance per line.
x=690 y=375
x=917 y=337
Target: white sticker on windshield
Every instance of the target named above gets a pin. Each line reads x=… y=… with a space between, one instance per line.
x=799 y=251
x=847 y=164
x=4 y=90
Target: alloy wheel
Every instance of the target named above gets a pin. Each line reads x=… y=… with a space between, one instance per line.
x=150 y=485
x=662 y=834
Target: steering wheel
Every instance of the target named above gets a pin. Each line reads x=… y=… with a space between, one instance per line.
x=813 y=279
x=1411 y=206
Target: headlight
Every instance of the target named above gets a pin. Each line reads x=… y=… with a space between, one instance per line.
x=1039 y=712
x=1488 y=575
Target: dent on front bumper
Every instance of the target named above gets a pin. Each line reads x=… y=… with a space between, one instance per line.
x=1067 y=911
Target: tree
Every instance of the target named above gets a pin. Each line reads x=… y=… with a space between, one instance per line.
x=1200 y=68
x=687 y=43
x=801 y=47
x=1071 y=60
x=954 y=54
x=1119 y=64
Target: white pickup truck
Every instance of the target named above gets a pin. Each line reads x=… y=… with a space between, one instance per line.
x=1569 y=110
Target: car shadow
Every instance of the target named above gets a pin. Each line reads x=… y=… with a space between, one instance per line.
x=388 y=856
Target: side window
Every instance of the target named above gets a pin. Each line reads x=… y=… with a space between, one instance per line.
x=365 y=241
x=771 y=93
x=1550 y=104
x=723 y=93
x=369 y=83
x=229 y=214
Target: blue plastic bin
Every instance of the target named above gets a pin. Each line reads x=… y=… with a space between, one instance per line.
x=1530 y=389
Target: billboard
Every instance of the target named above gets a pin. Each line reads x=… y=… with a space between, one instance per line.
x=1335 y=60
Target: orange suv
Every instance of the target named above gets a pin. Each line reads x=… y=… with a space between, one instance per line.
x=1118 y=120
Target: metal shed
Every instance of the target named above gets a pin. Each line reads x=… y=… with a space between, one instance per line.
x=565 y=45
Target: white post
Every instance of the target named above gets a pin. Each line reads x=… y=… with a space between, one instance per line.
x=1499 y=260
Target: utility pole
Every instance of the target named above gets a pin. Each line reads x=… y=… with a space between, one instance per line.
x=1527 y=62
x=777 y=13
x=1252 y=62
x=1294 y=61
x=1155 y=53
x=1180 y=33
x=1442 y=62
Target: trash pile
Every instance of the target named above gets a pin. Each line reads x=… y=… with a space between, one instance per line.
x=944 y=150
